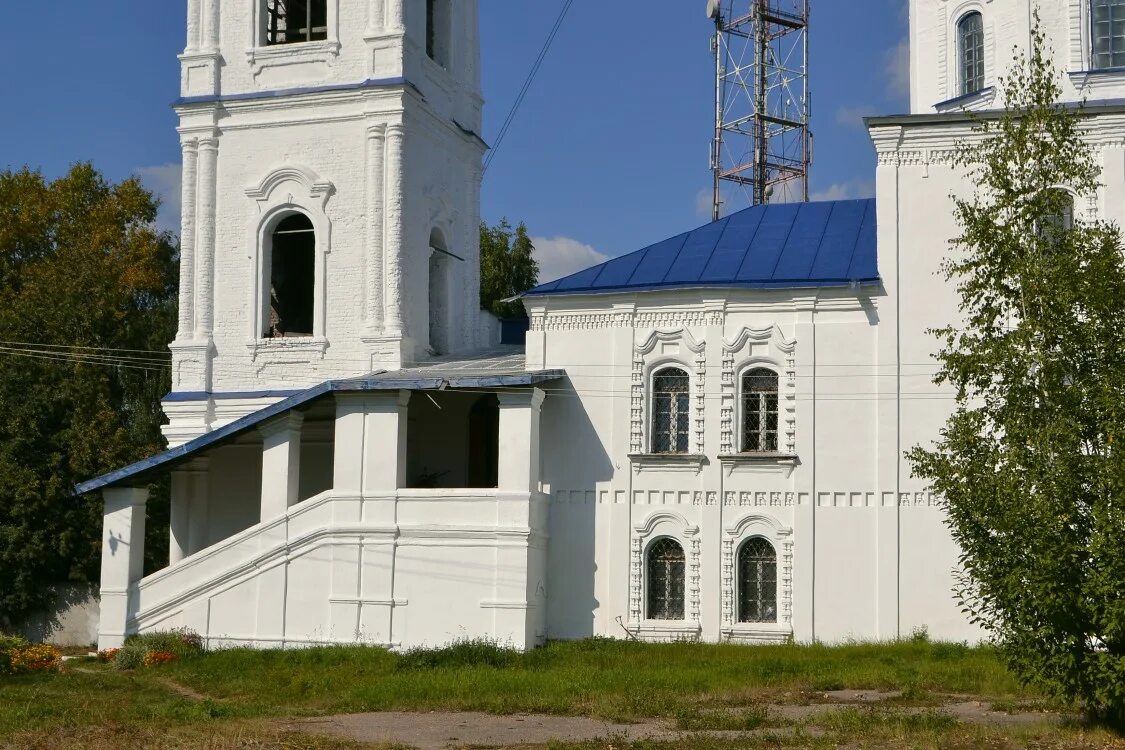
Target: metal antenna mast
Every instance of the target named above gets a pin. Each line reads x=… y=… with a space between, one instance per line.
x=762 y=146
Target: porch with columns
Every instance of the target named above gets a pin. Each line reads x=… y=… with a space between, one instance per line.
x=260 y=554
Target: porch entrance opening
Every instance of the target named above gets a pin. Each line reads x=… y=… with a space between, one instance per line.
x=453 y=440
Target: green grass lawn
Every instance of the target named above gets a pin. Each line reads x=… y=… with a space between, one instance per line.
x=236 y=698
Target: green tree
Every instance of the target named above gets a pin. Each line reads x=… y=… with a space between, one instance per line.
x=507 y=268
x=80 y=266
x=1029 y=464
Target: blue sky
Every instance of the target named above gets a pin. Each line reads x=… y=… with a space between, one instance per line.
x=609 y=151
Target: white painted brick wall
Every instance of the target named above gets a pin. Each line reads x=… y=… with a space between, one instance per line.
x=933 y=39
x=325 y=134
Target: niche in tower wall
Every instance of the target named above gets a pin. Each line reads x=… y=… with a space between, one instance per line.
x=292 y=278
x=295 y=21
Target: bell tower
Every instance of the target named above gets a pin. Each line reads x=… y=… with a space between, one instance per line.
x=331 y=189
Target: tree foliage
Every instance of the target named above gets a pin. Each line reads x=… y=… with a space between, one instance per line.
x=1029 y=464
x=507 y=268
x=80 y=266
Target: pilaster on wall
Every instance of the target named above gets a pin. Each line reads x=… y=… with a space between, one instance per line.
x=394 y=315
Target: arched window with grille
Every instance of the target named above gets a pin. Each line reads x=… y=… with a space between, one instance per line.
x=1107 y=33
x=671 y=410
x=759 y=411
x=1059 y=214
x=295 y=21
x=757 y=581
x=665 y=580
x=970 y=52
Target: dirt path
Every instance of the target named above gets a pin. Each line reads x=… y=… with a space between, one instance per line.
x=440 y=730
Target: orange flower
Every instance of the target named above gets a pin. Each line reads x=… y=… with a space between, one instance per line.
x=153 y=658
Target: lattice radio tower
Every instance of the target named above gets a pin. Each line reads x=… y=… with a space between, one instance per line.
x=763 y=146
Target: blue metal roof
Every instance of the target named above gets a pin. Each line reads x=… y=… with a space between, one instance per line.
x=422 y=379
x=784 y=245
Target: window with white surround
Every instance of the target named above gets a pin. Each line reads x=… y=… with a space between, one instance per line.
x=970 y=52
x=296 y=21
x=664 y=580
x=671 y=410
x=757 y=581
x=1107 y=33
x=759 y=411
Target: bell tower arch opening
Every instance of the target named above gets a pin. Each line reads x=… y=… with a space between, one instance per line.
x=291 y=271
x=440 y=294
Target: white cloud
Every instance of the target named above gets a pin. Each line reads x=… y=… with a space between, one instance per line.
x=164 y=181
x=562 y=256
x=896 y=68
x=852 y=117
x=845 y=191
x=705 y=203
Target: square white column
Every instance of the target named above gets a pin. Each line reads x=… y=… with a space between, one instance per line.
x=179 y=522
x=519 y=440
x=123 y=557
x=370 y=441
x=281 y=464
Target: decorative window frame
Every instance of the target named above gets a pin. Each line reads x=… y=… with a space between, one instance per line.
x=285 y=191
x=647 y=361
x=260 y=55
x=949 y=54
x=752 y=348
x=780 y=536
x=1085 y=207
x=657 y=526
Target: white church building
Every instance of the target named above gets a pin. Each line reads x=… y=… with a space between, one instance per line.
x=702 y=439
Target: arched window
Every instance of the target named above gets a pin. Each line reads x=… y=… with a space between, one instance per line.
x=1059 y=213
x=757 y=581
x=665 y=580
x=294 y=21
x=970 y=52
x=1108 y=33
x=438 y=24
x=292 y=278
x=441 y=293
x=671 y=410
x=759 y=411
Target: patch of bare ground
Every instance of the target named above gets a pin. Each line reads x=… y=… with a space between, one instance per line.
x=442 y=729
x=810 y=716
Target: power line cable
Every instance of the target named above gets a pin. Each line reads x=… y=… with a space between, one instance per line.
x=527 y=84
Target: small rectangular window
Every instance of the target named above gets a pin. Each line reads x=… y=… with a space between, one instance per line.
x=296 y=21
